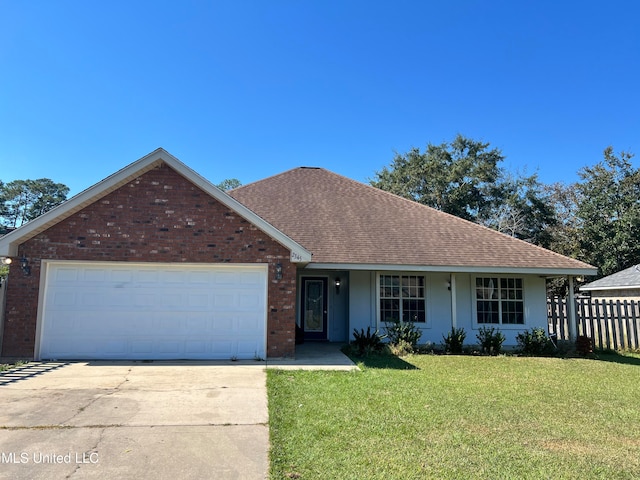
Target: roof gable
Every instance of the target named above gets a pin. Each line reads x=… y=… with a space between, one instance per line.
x=9 y=243
x=347 y=223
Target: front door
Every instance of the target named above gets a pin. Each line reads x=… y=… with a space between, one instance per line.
x=314 y=308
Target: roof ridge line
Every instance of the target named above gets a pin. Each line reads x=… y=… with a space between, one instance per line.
x=272 y=177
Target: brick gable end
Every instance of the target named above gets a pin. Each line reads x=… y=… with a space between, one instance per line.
x=158 y=217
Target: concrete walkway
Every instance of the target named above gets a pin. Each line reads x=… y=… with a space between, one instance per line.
x=315 y=356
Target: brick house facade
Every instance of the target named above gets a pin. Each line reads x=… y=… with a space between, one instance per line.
x=160 y=216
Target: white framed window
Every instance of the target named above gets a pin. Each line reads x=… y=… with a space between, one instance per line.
x=499 y=301
x=402 y=297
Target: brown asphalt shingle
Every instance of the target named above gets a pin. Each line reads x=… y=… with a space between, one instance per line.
x=340 y=220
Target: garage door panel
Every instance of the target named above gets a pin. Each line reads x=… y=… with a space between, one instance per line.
x=64 y=299
x=148 y=277
x=66 y=274
x=248 y=349
x=224 y=300
x=225 y=347
x=197 y=347
x=145 y=300
x=247 y=323
x=250 y=278
x=141 y=348
x=248 y=301
x=153 y=312
x=95 y=275
x=198 y=300
x=223 y=323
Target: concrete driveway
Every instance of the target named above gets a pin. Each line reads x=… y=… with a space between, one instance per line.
x=158 y=420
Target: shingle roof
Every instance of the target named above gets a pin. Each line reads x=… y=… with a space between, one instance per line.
x=342 y=221
x=629 y=278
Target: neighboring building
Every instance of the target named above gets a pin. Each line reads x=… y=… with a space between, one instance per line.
x=155 y=262
x=623 y=285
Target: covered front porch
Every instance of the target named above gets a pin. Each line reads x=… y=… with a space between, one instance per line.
x=332 y=303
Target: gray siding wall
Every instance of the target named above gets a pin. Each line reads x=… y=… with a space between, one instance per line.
x=363 y=297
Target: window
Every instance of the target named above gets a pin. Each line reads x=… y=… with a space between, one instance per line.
x=499 y=301
x=402 y=297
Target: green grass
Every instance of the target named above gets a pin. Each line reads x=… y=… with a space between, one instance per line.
x=459 y=417
x=8 y=366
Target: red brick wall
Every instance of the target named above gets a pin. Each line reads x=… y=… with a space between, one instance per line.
x=158 y=217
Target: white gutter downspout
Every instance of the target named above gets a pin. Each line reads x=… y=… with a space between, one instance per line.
x=454 y=307
x=571 y=310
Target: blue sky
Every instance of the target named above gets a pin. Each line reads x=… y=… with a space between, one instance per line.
x=248 y=89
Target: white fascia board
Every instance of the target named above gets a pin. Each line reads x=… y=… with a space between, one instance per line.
x=550 y=272
x=618 y=287
x=10 y=242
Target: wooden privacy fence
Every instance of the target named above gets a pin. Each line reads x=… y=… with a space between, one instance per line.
x=612 y=324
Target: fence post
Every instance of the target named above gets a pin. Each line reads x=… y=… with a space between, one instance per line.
x=571 y=310
x=623 y=319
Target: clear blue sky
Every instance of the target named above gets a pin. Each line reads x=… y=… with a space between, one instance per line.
x=248 y=89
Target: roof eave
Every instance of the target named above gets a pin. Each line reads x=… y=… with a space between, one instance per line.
x=542 y=271
x=588 y=288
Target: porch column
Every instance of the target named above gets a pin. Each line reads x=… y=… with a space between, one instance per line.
x=571 y=311
x=454 y=307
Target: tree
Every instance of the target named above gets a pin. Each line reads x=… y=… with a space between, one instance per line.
x=457 y=177
x=229 y=184
x=3 y=201
x=522 y=208
x=565 y=231
x=464 y=178
x=24 y=200
x=608 y=213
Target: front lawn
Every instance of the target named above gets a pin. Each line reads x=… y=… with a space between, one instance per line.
x=458 y=417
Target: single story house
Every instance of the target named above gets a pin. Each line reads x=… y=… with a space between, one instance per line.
x=623 y=285
x=155 y=262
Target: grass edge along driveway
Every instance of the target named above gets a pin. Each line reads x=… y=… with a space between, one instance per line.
x=428 y=416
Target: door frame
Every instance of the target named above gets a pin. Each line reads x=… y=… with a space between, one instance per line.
x=324 y=335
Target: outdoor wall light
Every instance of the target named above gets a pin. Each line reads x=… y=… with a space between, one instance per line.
x=5 y=260
x=24 y=265
x=278 y=271
x=337 y=284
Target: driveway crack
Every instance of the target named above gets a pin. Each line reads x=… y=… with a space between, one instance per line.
x=90 y=456
x=98 y=397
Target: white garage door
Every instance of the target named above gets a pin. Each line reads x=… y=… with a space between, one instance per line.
x=153 y=311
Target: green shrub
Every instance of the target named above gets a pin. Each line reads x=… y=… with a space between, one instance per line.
x=454 y=340
x=534 y=342
x=399 y=331
x=367 y=342
x=565 y=348
x=490 y=340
